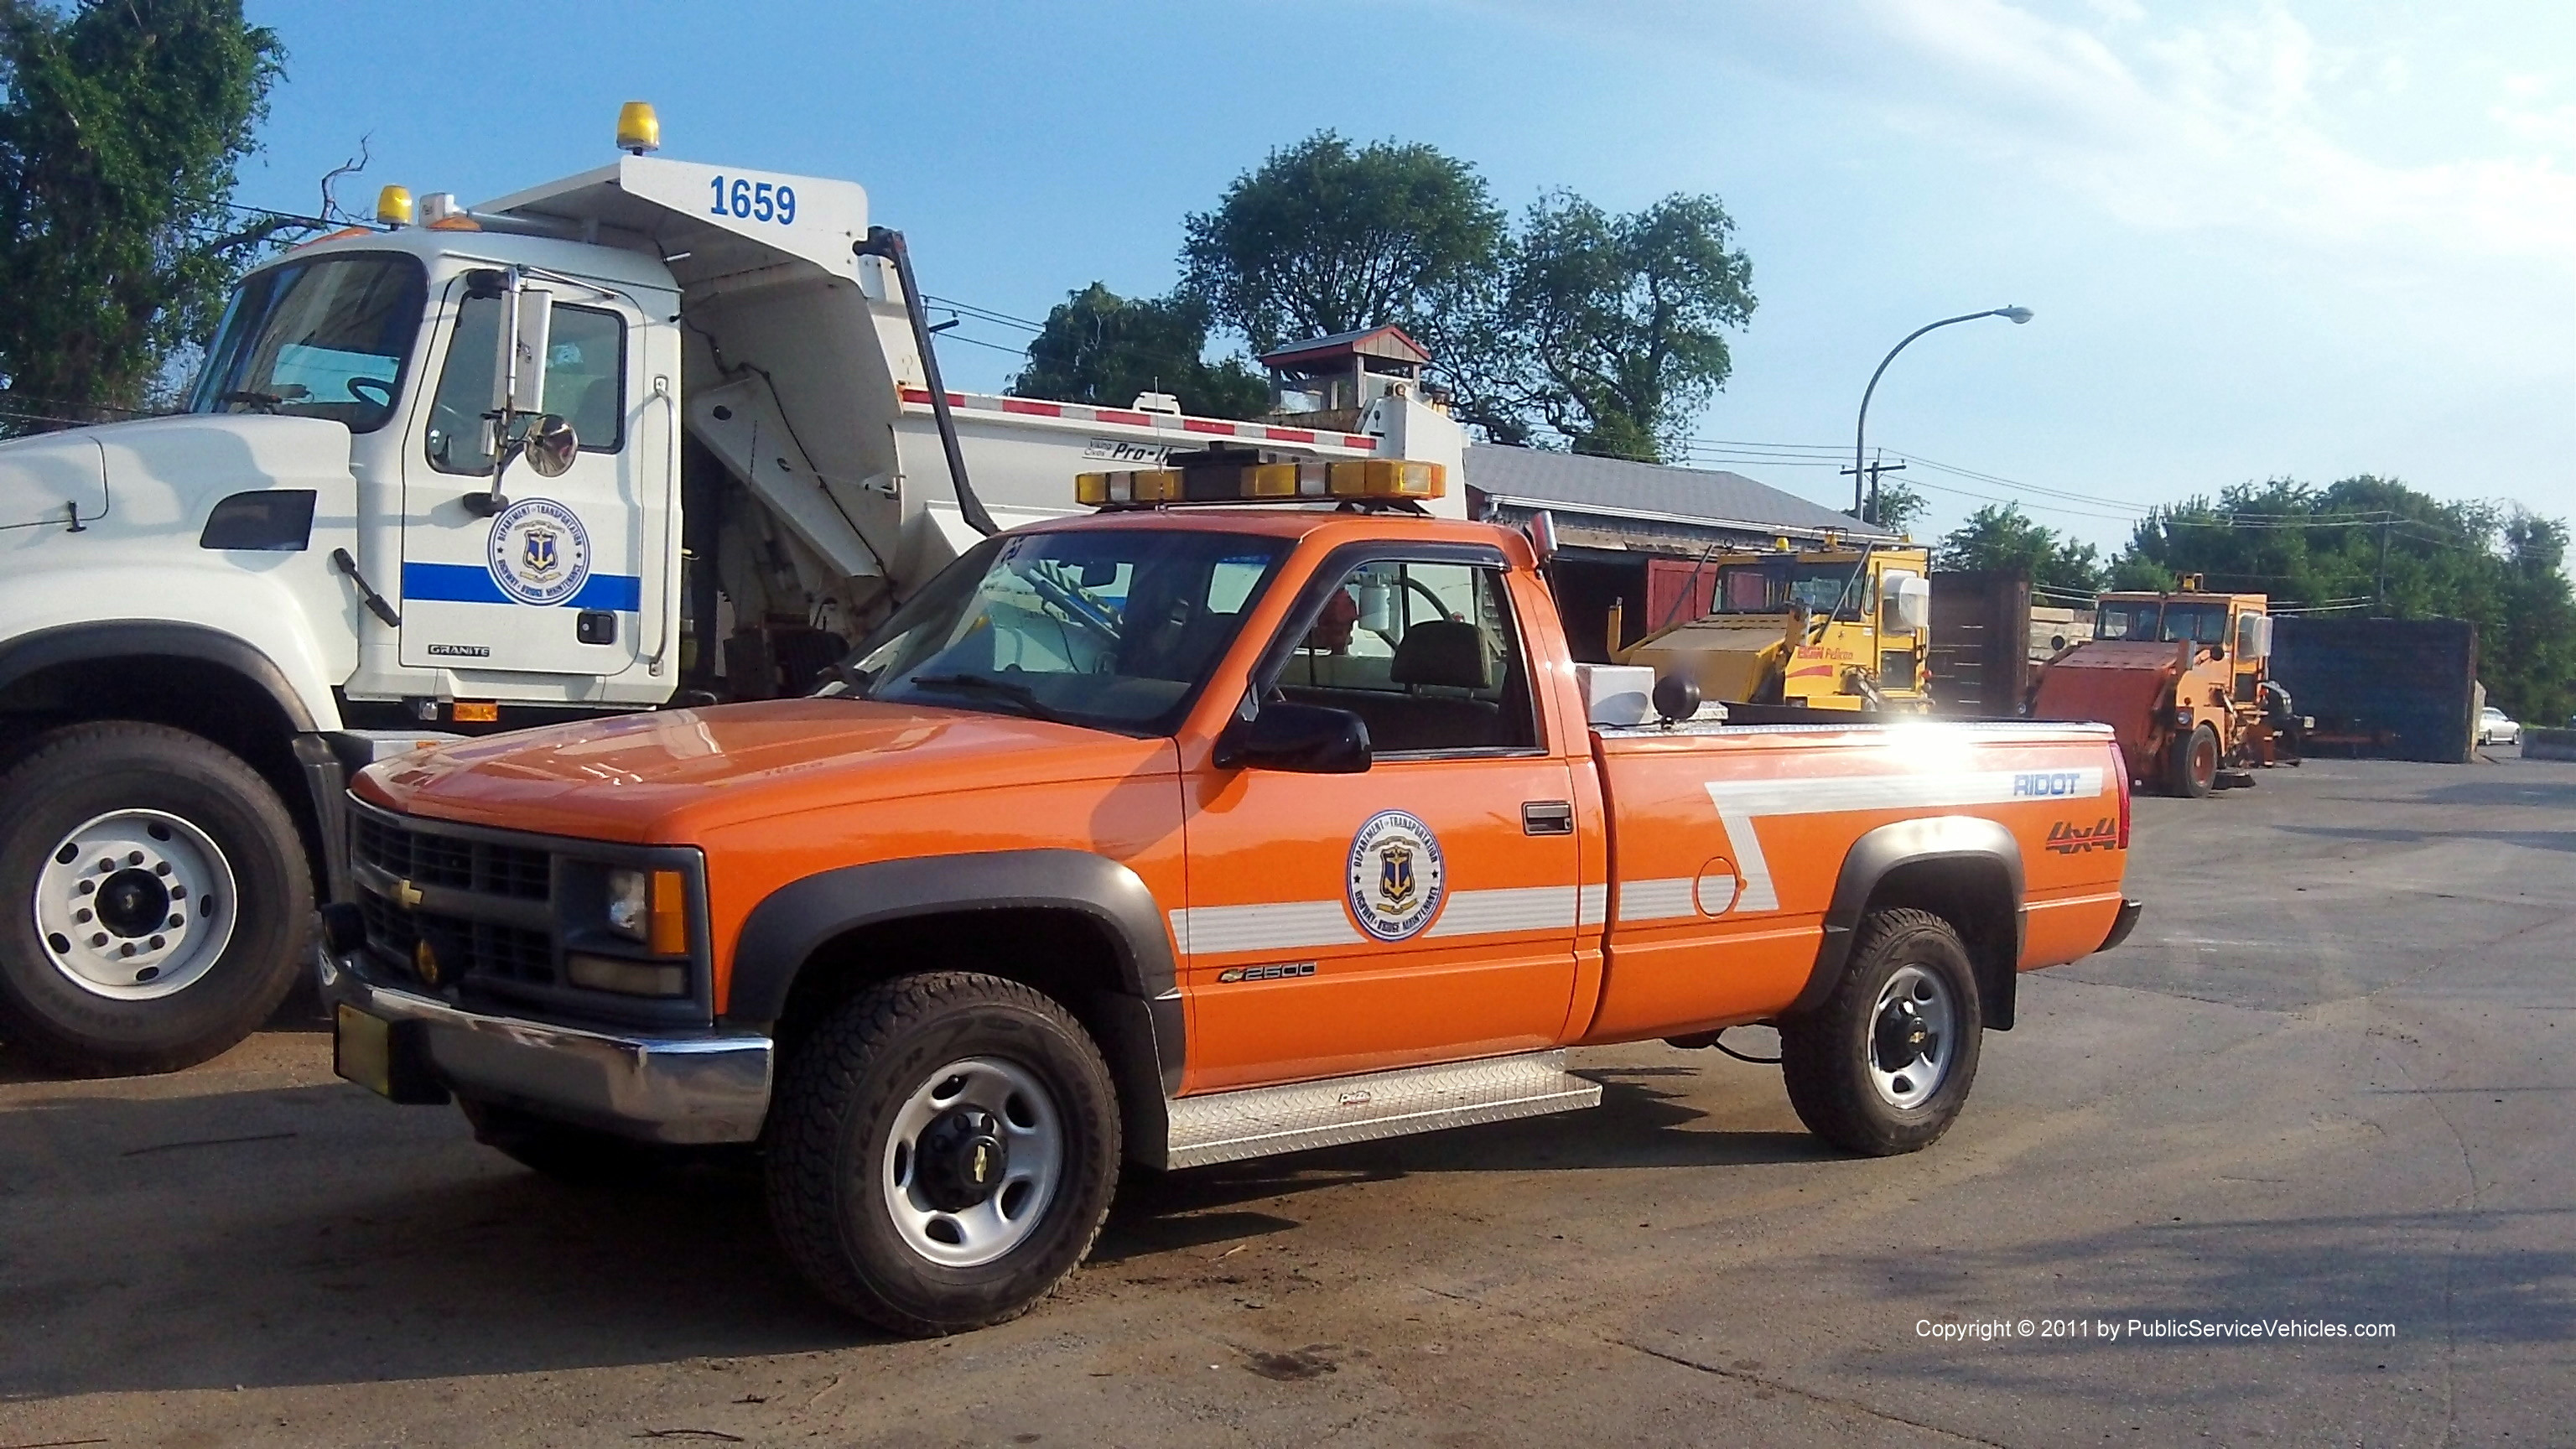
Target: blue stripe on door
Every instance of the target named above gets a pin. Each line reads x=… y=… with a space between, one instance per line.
x=467 y=584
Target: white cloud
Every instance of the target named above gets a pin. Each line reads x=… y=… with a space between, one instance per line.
x=2235 y=121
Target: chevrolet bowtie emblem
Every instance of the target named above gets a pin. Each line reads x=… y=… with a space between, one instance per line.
x=406 y=895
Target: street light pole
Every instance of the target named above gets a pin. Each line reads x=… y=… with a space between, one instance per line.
x=1860 y=429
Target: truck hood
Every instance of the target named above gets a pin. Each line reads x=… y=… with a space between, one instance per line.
x=167 y=472
x=668 y=778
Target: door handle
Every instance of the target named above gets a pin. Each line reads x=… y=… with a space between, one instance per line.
x=1547 y=817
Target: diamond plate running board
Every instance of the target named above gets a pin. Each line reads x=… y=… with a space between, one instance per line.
x=1262 y=1121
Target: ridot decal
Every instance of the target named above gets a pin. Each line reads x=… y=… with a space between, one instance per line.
x=1396 y=881
x=540 y=553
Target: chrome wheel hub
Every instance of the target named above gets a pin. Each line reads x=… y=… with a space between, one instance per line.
x=1912 y=1038
x=135 y=904
x=975 y=1156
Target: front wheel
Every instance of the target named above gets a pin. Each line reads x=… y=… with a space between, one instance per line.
x=1884 y=1065
x=2193 y=770
x=156 y=898
x=943 y=1149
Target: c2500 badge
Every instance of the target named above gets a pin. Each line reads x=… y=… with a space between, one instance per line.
x=540 y=553
x=1396 y=883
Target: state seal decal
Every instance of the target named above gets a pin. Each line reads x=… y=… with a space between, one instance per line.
x=1396 y=882
x=540 y=553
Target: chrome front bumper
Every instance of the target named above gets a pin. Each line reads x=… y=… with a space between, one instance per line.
x=694 y=1089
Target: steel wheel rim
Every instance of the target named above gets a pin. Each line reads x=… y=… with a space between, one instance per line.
x=1913 y=1037
x=135 y=905
x=1030 y=1133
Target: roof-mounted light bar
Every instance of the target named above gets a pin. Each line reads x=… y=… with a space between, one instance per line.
x=1360 y=479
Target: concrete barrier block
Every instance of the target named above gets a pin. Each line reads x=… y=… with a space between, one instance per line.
x=2549 y=744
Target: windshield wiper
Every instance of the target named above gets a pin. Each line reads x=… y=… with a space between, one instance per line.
x=1019 y=694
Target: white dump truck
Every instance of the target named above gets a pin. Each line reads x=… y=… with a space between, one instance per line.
x=656 y=432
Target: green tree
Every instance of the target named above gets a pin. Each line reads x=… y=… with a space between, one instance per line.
x=1896 y=506
x=122 y=124
x=1325 y=237
x=2004 y=540
x=1103 y=349
x=1623 y=318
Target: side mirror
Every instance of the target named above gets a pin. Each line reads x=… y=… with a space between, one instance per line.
x=551 y=446
x=1307 y=739
x=526 y=337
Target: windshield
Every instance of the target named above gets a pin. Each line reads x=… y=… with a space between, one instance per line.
x=328 y=338
x=1771 y=586
x=2167 y=623
x=1111 y=628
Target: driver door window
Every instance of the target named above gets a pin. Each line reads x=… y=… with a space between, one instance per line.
x=585 y=373
x=1425 y=653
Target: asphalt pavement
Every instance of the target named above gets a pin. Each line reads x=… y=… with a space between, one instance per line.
x=2329 y=1084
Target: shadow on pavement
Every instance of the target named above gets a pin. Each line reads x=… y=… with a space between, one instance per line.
x=318 y=1235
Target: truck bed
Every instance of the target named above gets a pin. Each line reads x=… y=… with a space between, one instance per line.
x=1723 y=840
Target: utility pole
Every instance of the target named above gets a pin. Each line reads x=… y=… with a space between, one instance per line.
x=2379 y=594
x=1867 y=511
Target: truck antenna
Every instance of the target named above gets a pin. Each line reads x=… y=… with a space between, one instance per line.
x=888 y=243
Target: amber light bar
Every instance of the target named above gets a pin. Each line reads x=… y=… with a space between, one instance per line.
x=1264 y=483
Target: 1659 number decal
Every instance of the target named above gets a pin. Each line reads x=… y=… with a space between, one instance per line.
x=753 y=200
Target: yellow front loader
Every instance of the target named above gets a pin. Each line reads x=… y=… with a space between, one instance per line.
x=1842 y=627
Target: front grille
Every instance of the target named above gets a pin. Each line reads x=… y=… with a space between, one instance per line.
x=487 y=950
x=443 y=860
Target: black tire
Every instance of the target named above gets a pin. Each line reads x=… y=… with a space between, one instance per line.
x=1826 y=1056
x=578 y=1155
x=2192 y=771
x=81 y=773
x=832 y=1149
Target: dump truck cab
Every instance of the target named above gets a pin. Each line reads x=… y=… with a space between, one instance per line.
x=1867 y=629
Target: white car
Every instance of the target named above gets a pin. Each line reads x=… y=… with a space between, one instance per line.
x=2494 y=728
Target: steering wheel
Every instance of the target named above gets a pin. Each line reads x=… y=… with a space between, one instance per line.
x=359 y=386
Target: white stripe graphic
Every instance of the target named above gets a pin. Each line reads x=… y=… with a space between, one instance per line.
x=1657 y=900
x=1594 y=907
x=1518 y=908
x=1741 y=802
x=1273 y=926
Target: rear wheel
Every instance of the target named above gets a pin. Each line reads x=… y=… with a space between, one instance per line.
x=1884 y=1065
x=156 y=898
x=2193 y=770
x=943 y=1149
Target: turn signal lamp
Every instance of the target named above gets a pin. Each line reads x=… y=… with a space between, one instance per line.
x=393 y=206
x=1388 y=478
x=638 y=129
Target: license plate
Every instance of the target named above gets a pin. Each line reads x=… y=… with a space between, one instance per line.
x=362 y=1050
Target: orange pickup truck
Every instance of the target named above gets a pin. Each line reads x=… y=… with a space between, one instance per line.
x=1173 y=836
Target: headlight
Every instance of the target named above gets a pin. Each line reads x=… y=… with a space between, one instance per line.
x=630 y=903
x=650 y=907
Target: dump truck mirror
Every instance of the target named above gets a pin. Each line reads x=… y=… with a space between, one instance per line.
x=519 y=367
x=2253 y=636
x=1307 y=739
x=551 y=446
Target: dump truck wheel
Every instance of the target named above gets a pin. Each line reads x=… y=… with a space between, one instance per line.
x=2193 y=770
x=1884 y=1066
x=158 y=898
x=942 y=1152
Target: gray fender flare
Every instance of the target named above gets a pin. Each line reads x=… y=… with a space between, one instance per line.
x=1884 y=850
x=1143 y=1015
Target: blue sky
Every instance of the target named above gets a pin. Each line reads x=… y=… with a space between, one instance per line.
x=2303 y=239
